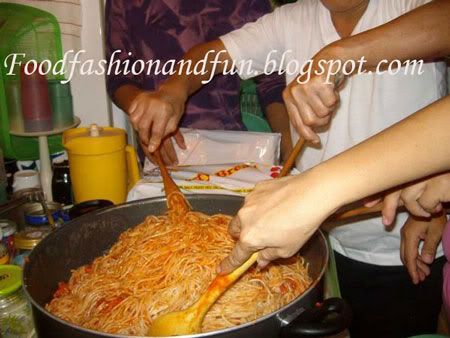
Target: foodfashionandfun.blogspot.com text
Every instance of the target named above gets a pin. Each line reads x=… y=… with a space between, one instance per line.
x=283 y=63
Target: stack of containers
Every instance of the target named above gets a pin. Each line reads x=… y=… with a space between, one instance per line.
x=36 y=107
x=44 y=105
x=14 y=104
x=61 y=102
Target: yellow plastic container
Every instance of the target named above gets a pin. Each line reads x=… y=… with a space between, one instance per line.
x=102 y=165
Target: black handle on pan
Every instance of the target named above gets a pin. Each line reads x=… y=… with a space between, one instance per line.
x=329 y=318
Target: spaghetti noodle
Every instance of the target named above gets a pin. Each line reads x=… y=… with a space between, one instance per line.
x=163 y=265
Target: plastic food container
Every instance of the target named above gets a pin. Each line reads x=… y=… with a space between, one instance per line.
x=102 y=165
x=15 y=313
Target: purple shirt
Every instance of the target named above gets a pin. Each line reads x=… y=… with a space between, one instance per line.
x=166 y=29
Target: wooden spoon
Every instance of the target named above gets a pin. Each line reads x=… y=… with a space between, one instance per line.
x=189 y=321
x=175 y=198
x=292 y=157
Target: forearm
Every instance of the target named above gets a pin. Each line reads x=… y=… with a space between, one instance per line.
x=420 y=34
x=215 y=55
x=124 y=96
x=414 y=148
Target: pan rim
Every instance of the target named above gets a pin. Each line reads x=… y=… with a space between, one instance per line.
x=276 y=314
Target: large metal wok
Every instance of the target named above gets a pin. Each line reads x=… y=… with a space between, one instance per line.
x=80 y=241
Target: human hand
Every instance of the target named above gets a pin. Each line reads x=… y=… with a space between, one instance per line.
x=312 y=98
x=155 y=115
x=422 y=198
x=167 y=150
x=277 y=218
x=412 y=234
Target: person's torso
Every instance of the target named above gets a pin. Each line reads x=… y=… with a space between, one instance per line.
x=166 y=29
x=369 y=103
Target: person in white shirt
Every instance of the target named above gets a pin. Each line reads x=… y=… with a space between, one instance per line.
x=368 y=104
x=279 y=216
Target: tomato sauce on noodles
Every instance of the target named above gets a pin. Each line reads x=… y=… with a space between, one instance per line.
x=163 y=265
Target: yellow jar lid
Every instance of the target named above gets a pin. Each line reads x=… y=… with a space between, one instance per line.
x=94 y=140
x=28 y=239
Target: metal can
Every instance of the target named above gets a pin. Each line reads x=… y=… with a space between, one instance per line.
x=8 y=228
x=35 y=216
x=25 y=241
x=15 y=313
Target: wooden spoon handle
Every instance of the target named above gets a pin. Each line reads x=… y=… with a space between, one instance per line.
x=233 y=276
x=342 y=215
x=338 y=80
x=292 y=157
x=221 y=283
x=360 y=211
x=169 y=185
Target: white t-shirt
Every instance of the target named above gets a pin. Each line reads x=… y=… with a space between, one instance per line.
x=369 y=102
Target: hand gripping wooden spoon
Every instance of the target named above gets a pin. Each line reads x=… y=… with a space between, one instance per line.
x=189 y=321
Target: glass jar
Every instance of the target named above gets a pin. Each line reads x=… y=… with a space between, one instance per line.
x=15 y=313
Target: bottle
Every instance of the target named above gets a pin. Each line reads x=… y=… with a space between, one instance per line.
x=15 y=312
x=61 y=183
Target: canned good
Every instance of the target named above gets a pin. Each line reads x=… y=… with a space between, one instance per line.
x=25 y=241
x=8 y=228
x=35 y=215
x=15 y=312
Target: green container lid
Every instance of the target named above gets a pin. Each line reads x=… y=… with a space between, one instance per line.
x=10 y=279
